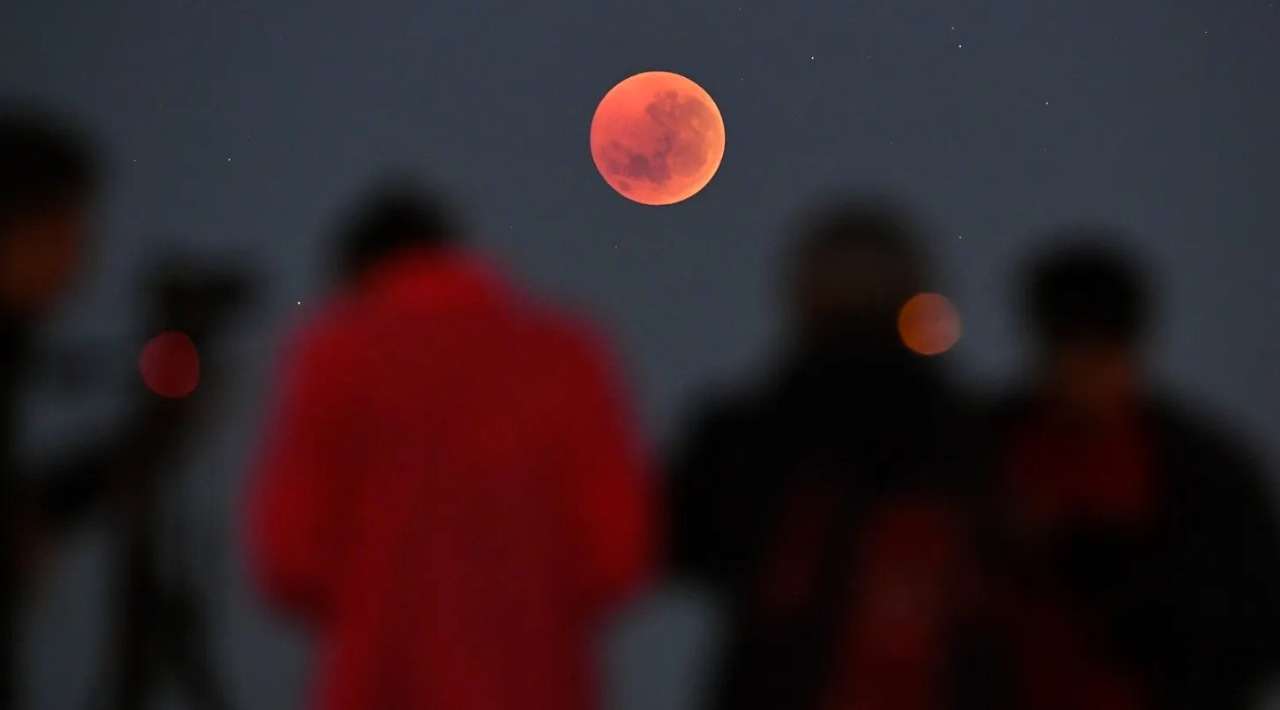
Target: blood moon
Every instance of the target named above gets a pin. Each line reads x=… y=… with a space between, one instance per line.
x=657 y=138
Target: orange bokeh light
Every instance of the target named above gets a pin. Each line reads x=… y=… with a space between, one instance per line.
x=928 y=324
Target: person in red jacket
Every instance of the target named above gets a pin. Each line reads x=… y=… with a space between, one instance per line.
x=451 y=496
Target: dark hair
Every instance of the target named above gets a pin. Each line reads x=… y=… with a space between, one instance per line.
x=855 y=263
x=878 y=224
x=1089 y=290
x=391 y=218
x=45 y=163
x=870 y=226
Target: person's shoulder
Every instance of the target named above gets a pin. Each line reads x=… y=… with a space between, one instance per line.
x=563 y=326
x=324 y=333
x=1199 y=433
x=725 y=413
x=567 y=332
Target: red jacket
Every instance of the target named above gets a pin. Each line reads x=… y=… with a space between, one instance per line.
x=450 y=496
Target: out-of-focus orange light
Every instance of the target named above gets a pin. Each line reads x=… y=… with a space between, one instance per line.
x=928 y=324
x=170 y=365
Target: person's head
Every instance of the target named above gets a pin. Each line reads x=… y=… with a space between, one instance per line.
x=388 y=221
x=1089 y=309
x=48 y=181
x=853 y=268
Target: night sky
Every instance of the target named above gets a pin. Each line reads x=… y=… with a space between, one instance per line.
x=239 y=128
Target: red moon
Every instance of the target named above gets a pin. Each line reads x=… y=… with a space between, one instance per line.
x=657 y=138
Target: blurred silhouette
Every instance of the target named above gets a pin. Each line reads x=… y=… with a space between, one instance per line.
x=1140 y=548
x=160 y=627
x=48 y=179
x=828 y=507
x=450 y=495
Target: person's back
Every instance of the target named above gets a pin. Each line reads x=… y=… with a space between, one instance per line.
x=451 y=496
x=824 y=509
x=1140 y=552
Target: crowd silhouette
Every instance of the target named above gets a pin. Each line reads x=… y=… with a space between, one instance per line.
x=452 y=498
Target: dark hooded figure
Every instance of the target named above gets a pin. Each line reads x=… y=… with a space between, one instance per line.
x=48 y=179
x=1140 y=559
x=827 y=506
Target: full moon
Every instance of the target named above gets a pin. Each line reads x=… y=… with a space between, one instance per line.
x=657 y=138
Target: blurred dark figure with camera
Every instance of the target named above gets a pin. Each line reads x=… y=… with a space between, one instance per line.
x=161 y=635
x=48 y=180
x=828 y=507
x=1140 y=544
x=451 y=495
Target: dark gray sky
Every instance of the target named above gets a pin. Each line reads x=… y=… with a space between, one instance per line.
x=239 y=127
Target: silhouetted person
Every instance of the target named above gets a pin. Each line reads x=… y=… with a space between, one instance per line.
x=1142 y=557
x=450 y=496
x=48 y=180
x=827 y=507
x=159 y=629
